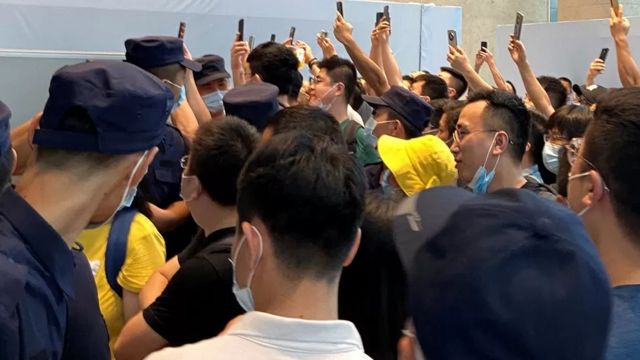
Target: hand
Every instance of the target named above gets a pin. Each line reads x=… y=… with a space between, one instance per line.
x=186 y=53
x=488 y=57
x=458 y=59
x=342 y=30
x=596 y=68
x=328 y=50
x=479 y=59
x=384 y=30
x=517 y=51
x=618 y=24
x=308 y=55
x=239 y=52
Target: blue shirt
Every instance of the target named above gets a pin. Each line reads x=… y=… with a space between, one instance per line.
x=38 y=283
x=624 y=337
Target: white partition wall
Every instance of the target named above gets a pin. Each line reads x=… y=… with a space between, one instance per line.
x=565 y=49
x=60 y=32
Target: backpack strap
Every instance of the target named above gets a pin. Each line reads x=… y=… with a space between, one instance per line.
x=117 y=246
x=350 y=135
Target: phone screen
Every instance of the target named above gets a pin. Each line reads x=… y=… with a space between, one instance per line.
x=340 y=9
x=292 y=33
x=241 y=30
x=604 y=53
x=517 y=32
x=379 y=18
x=483 y=46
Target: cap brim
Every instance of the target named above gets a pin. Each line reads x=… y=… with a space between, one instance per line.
x=421 y=216
x=212 y=77
x=374 y=100
x=190 y=64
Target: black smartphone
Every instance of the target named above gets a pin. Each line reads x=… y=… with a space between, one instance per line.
x=483 y=46
x=251 y=41
x=181 y=29
x=340 y=9
x=517 y=31
x=385 y=12
x=379 y=16
x=273 y=38
x=241 y=30
x=615 y=6
x=603 y=54
x=292 y=33
x=324 y=33
x=453 y=38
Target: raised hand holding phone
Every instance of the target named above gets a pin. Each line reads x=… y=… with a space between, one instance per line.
x=181 y=29
x=517 y=32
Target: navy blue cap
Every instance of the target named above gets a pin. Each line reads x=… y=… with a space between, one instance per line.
x=212 y=69
x=253 y=102
x=156 y=51
x=505 y=275
x=410 y=106
x=5 y=132
x=127 y=106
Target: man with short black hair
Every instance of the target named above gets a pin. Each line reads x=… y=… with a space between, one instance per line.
x=430 y=87
x=456 y=82
x=332 y=91
x=275 y=64
x=603 y=190
x=94 y=146
x=300 y=206
x=197 y=302
x=489 y=142
x=309 y=119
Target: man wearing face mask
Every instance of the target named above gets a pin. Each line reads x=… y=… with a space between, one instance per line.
x=197 y=301
x=94 y=146
x=490 y=141
x=603 y=190
x=163 y=56
x=332 y=91
x=213 y=83
x=288 y=256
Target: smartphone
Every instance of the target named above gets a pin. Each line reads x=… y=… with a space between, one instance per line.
x=292 y=33
x=324 y=33
x=241 y=30
x=273 y=38
x=385 y=12
x=604 y=53
x=483 y=46
x=339 y=6
x=453 y=38
x=615 y=6
x=181 y=29
x=518 y=28
x=379 y=18
x=251 y=41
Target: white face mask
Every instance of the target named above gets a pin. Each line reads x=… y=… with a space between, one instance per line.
x=243 y=295
x=214 y=101
x=131 y=191
x=551 y=157
x=320 y=102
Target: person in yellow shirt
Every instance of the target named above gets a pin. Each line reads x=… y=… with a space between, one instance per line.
x=145 y=252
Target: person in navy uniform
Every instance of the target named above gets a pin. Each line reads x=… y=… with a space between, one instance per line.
x=96 y=137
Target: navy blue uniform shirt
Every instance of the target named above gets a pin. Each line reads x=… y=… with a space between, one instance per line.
x=37 y=282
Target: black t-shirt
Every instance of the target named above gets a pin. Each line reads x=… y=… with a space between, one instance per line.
x=198 y=302
x=542 y=190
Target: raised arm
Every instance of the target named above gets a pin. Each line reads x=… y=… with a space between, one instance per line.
x=371 y=72
x=196 y=103
x=391 y=68
x=239 y=52
x=627 y=68
x=536 y=92
x=596 y=68
x=459 y=61
x=495 y=72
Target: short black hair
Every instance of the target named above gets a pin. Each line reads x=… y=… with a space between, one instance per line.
x=357 y=100
x=310 y=119
x=506 y=112
x=570 y=121
x=611 y=144
x=342 y=71
x=536 y=139
x=434 y=87
x=460 y=83
x=557 y=93
x=296 y=85
x=276 y=64
x=6 y=165
x=453 y=110
x=309 y=193
x=562 y=78
x=219 y=151
x=438 y=106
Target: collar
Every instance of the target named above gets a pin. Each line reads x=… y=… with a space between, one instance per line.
x=40 y=238
x=220 y=234
x=329 y=336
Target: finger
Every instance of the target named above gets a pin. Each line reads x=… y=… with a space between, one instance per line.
x=621 y=11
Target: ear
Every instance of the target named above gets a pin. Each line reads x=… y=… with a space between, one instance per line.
x=452 y=93
x=14 y=155
x=426 y=98
x=253 y=239
x=501 y=144
x=354 y=249
x=528 y=147
x=255 y=78
x=595 y=191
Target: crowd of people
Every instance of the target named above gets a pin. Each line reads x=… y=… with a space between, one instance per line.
x=166 y=207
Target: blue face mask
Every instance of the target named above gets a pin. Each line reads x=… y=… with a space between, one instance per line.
x=369 y=127
x=551 y=157
x=131 y=191
x=384 y=182
x=214 y=101
x=182 y=95
x=482 y=179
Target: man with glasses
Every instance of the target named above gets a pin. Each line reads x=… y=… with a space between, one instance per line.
x=603 y=190
x=197 y=301
x=489 y=142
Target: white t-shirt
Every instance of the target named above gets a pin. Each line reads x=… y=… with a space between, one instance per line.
x=353 y=115
x=258 y=335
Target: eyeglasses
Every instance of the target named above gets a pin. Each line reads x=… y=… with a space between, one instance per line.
x=459 y=135
x=573 y=150
x=184 y=161
x=554 y=138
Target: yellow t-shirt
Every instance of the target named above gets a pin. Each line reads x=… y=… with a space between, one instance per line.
x=145 y=253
